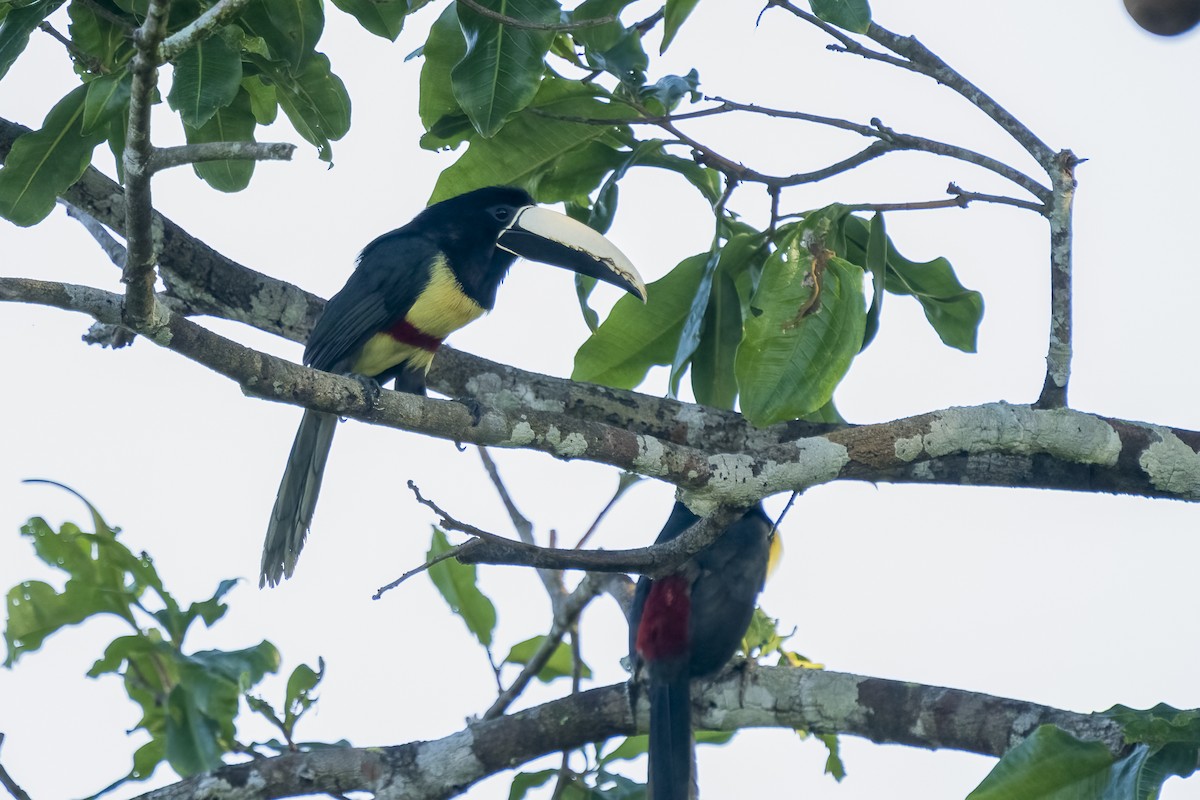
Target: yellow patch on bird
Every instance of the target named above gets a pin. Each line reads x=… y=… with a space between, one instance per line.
x=382 y=352
x=442 y=307
x=775 y=553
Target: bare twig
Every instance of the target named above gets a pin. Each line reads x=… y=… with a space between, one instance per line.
x=513 y=22
x=89 y=63
x=624 y=482
x=167 y=157
x=453 y=552
x=564 y=617
x=201 y=28
x=108 y=243
x=7 y=781
x=450 y=523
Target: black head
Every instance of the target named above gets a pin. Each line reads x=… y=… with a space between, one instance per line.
x=466 y=228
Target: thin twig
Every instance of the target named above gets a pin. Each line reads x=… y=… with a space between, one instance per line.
x=624 y=482
x=108 y=243
x=89 y=63
x=513 y=22
x=181 y=155
x=109 y=15
x=201 y=28
x=450 y=523
x=572 y=605
x=453 y=552
x=8 y=783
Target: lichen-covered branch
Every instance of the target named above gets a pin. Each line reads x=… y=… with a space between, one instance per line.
x=167 y=157
x=879 y=710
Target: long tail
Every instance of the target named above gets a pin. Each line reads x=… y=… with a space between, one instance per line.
x=670 y=739
x=297 y=497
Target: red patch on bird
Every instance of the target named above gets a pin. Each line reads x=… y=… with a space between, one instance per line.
x=663 y=630
x=407 y=333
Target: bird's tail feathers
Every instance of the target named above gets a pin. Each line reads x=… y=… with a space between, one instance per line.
x=297 y=497
x=670 y=740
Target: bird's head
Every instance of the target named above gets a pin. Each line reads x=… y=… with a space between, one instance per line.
x=484 y=231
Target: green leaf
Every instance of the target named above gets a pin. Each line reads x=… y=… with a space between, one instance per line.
x=797 y=347
x=99 y=37
x=1159 y=725
x=456 y=582
x=301 y=683
x=666 y=93
x=107 y=96
x=18 y=24
x=851 y=15
x=833 y=762
x=632 y=747
x=574 y=176
x=689 y=334
x=233 y=123
x=1054 y=765
x=499 y=74
x=315 y=100
x=44 y=163
x=954 y=311
x=530 y=145
x=194 y=740
x=212 y=609
x=713 y=380
x=560 y=665
x=383 y=18
x=625 y=59
x=443 y=49
x=263 y=102
x=636 y=336
x=676 y=11
x=291 y=28
x=877 y=265
x=524 y=781
x=207 y=78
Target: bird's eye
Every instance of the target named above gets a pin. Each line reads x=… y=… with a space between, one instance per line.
x=501 y=213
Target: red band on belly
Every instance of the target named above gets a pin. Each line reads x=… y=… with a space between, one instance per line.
x=407 y=333
x=664 y=629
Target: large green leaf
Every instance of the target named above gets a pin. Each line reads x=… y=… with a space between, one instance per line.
x=853 y=15
x=953 y=310
x=675 y=12
x=207 y=77
x=689 y=334
x=1054 y=765
x=635 y=337
x=437 y=106
x=44 y=163
x=291 y=28
x=315 y=100
x=18 y=24
x=456 y=582
x=233 y=123
x=383 y=18
x=531 y=144
x=98 y=36
x=1159 y=725
x=713 y=380
x=107 y=96
x=797 y=347
x=500 y=72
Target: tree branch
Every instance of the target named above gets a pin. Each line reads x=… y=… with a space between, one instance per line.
x=140 y=241
x=167 y=157
x=881 y=711
x=201 y=28
x=513 y=22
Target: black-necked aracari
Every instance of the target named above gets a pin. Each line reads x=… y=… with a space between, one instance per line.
x=688 y=625
x=412 y=288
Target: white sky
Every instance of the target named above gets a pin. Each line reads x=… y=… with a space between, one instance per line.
x=1076 y=601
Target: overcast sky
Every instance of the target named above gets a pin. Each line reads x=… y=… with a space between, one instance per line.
x=1076 y=601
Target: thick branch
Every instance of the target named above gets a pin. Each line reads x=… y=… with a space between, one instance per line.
x=141 y=254
x=995 y=444
x=879 y=710
x=1058 y=354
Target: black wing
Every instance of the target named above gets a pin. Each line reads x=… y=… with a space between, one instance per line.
x=391 y=272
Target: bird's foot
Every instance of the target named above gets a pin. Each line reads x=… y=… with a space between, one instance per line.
x=371 y=388
x=475 y=408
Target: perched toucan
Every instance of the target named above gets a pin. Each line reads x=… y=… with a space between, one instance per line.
x=688 y=625
x=412 y=288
